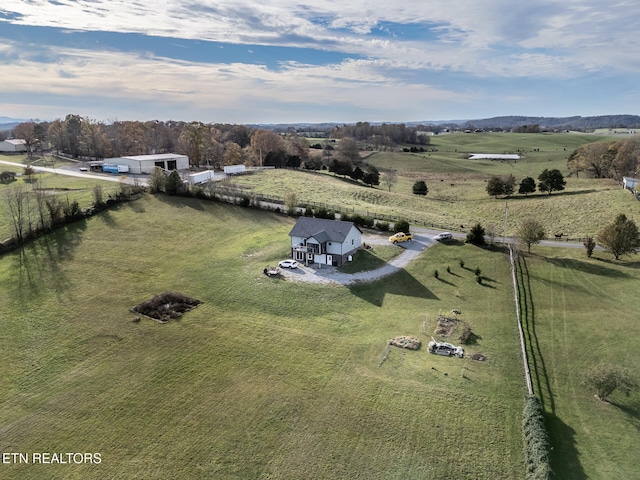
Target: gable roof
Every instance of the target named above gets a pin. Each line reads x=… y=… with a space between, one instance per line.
x=322 y=230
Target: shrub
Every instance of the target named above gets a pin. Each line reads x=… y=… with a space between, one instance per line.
x=604 y=379
x=476 y=235
x=98 y=200
x=401 y=226
x=536 y=443
x=589 y=244
x=461 y=263
x=479 y=279
x=436 y=274
x=477 y=271
x=383 y=226
x=448 y=269
x=420 y=188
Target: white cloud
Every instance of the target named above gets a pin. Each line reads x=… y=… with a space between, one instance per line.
x=464 y=35
x=192 y=88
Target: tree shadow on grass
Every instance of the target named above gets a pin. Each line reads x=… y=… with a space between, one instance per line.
x=587 y=267
x=564 y=456
x=38 y=263
x=440 y=279
x=399 y=283
x=179 y=201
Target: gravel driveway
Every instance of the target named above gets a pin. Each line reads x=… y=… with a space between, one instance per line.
x=327 y=274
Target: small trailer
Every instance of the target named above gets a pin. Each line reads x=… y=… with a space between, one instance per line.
x=200 y=177
x=112 y=168
x=234 y=169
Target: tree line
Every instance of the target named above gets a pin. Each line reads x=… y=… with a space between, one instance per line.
x=614 y=159
x=550 y=180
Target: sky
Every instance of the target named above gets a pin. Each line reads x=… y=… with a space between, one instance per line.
x=312 y=61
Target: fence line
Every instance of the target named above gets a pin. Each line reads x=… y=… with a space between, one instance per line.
x=525 y=360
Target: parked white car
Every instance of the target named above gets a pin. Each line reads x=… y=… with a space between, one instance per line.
x=288 y=264
x=443 y=236
x=445 y=349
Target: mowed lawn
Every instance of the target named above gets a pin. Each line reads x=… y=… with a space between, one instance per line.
x=583 y=312
x=267 y=378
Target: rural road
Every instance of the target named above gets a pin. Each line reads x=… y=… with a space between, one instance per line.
x=75 y=173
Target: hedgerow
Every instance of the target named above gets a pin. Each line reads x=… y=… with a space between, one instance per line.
x=536 y=442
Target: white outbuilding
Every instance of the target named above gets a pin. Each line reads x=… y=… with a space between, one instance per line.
x=13 y=145
x=146 y=163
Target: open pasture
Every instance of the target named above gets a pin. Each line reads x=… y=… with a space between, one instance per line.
x=266 y=378
x=579 y=312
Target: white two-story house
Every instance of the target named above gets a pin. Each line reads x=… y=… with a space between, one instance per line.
x=327 y=242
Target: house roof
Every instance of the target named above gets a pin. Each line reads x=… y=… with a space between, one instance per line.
x=16 y=141
x=322 y=230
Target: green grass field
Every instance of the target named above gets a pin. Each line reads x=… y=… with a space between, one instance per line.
x=581 y=312
x=267 y=378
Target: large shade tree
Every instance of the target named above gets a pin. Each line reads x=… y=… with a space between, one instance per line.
x=620 y=237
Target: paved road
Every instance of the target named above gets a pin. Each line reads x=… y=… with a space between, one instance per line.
x=74 y=172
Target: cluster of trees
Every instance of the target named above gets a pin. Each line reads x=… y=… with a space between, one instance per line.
x=33 y=211
x=205 y=144
x=550 y=180
x=383 y=135
x=614 y=159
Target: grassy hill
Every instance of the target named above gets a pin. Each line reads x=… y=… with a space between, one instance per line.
x=457 y=186
x=265 y=379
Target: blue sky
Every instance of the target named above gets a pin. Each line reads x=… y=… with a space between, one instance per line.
x=279 y=61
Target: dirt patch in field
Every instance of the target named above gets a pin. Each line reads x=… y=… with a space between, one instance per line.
x=166 y=306
x=446 y=326
x=411 y=343
x=479 y=357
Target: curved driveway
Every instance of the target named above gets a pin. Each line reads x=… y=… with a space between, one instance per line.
x=423 y=238
x=327 y=274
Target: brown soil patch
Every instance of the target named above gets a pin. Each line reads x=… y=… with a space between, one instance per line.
x=478 y=357
x=166 y=306
x=446 y=326
x=411 y=343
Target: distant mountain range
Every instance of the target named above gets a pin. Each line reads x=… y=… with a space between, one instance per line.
x=576 y=123
x=499 y=123
x=495 y=123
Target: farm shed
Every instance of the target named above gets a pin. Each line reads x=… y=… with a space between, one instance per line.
x=327 y=242
x=629 y=183
x=146 y=163
x=13 y=145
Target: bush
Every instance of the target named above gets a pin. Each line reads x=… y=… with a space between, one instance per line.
x=383 y=226
x=477 y=271
x=604 y=379
x=322 y=212
x=420 y=188
x=436 y=274
x=401 y=226
x=476 y=235
x=461 y=263
x=536 y=443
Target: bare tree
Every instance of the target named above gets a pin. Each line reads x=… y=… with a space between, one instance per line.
x=27 y=132
x=16 y=200
x=264 y=142
x=389 y=178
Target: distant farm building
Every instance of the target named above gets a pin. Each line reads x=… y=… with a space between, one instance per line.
x=327 y=242
x=494 y=156
x=629 y=183
x=13 y=145
x=146 y=163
